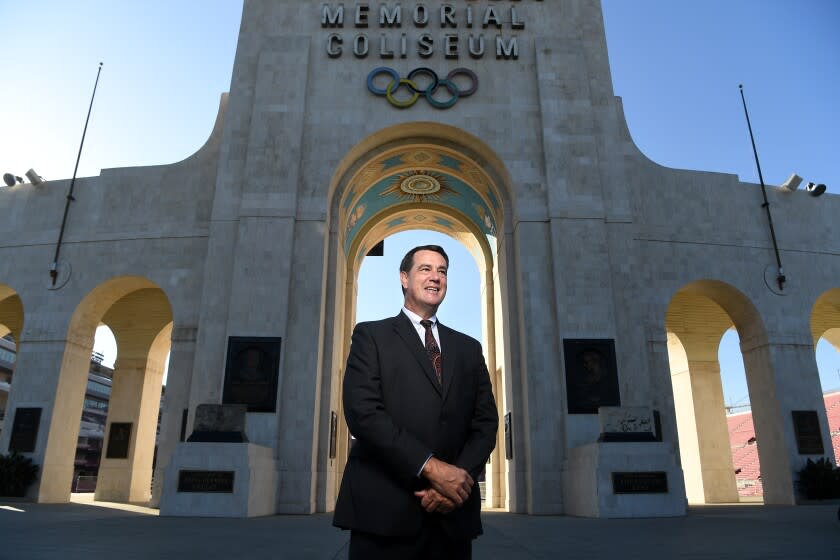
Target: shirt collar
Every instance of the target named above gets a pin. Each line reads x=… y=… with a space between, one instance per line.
x=415 y=318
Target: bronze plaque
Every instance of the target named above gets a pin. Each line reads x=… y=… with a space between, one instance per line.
x=253 y=364
x=591 y=375
x=25 y=430
x=119 y=440
x=655 y=482
x=806 y=427
x=207 y=482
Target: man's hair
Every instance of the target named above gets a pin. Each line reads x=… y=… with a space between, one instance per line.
x=408 y=259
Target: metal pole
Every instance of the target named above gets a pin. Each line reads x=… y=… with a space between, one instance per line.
x=54 y=266
x=781 y=276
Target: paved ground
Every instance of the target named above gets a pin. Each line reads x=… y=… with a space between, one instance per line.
x=83 y=531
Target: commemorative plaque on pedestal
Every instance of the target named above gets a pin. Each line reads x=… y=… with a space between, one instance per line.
x=217 y=472
x=628 y=472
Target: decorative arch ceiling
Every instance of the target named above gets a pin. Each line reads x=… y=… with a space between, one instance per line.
x=419 y=186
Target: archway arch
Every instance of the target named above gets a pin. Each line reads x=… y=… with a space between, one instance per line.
x=139 y=314
x=11 y=324
x=696 y=319
x=825 y=326
x=418 y=176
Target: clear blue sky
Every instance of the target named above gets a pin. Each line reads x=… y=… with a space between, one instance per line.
x=676 y=64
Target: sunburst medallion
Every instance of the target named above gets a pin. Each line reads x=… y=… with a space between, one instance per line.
x=419 y=186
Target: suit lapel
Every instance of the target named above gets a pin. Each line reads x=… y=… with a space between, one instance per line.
x=405 y=330
x=449 y=352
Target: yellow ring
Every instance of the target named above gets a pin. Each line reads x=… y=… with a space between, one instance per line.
x=389 y=93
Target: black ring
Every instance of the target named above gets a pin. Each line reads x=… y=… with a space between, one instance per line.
x=466 y=72
x=427 y=71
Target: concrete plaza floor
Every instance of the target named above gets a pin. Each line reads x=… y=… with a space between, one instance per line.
x=80 y=530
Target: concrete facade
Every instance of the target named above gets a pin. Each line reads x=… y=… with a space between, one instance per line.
x=577 y=235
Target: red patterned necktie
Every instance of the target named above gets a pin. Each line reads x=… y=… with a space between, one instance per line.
x=432 y=348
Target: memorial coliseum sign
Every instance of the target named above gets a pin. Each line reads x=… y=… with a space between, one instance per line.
x=491 y=29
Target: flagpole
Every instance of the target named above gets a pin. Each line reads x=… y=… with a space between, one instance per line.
x=780 y=278
x=54 y=266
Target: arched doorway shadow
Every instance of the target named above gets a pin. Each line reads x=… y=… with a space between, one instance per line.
x=418 y=176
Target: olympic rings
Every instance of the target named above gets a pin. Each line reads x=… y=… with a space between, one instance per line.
x=410 y=83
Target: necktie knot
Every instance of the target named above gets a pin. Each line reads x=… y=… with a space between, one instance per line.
x=426 y=323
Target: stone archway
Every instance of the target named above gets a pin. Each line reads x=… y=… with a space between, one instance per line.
x=139 y=314
x=697 y=317
x=418 y=176
x=825 y=324
x=11 y=323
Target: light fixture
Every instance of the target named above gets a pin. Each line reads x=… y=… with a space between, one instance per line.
x=34 y=178
x=814 y=189
x=792 y=182
x=10 y=179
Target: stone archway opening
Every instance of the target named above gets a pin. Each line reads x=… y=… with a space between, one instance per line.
x=698 y=317
x=825 y=330
x=139 y=315
x=11 y=325
x=430 y=177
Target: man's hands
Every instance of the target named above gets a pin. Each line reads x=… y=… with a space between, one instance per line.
x=433 y=502
x=448 y=481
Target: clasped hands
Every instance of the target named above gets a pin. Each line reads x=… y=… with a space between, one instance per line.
x=450 y=487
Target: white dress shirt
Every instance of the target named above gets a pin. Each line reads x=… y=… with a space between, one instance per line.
x=421 y=330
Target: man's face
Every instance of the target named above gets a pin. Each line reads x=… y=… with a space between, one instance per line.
x=425 y=283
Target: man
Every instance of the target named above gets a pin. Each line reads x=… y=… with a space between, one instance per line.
x=418 y=400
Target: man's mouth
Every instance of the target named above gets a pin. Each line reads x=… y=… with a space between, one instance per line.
x=433 y=289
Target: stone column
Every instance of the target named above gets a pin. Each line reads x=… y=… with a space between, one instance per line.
x=782 y=377
x=50 y=375
x=181 y=358
x=540 y=419
x=715 y=454
x=135 y=400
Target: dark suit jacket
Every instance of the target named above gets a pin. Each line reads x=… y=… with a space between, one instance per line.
x=399 y=414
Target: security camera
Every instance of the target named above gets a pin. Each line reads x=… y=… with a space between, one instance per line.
x=814 y=189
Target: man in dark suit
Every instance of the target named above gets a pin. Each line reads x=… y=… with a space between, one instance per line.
x=418 y=400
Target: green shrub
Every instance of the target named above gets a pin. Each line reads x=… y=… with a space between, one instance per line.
x=17 y=473
x=819 y=480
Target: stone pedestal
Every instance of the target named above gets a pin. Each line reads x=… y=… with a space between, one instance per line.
x=194 y=481
x=588 y=481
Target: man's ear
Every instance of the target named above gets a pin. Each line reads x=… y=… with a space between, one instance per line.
x=404 y=279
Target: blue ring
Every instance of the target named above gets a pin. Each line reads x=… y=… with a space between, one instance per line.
x=453 y=89
x=376 y=72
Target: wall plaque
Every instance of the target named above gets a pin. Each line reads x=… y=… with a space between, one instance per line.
x=119 y=439
x=655 y=482
x=591 y=375
x=207 y=482
x=806 y=427
x=253 y=364
x=25 y=430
